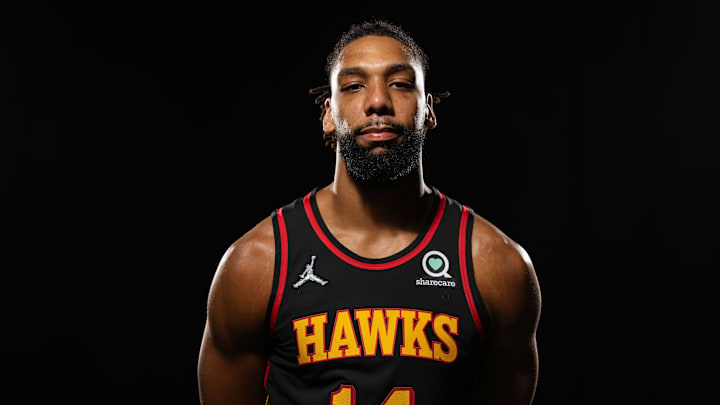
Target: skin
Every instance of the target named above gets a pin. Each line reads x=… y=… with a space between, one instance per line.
x=374 y=221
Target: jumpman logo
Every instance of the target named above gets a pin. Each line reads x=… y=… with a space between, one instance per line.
x=309 y=274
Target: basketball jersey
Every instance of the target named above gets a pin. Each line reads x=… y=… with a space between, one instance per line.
x=349 y=330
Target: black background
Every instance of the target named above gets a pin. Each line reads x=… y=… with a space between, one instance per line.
x=139 y=142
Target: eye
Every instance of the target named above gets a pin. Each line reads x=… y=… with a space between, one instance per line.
x=352 y=87
x=403 y=85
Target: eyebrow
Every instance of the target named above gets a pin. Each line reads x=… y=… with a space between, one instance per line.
x=394 y=68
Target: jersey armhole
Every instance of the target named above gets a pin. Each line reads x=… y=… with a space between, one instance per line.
x=279 y=269
x=472 y=293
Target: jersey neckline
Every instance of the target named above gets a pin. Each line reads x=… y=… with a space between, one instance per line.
x=413 y=249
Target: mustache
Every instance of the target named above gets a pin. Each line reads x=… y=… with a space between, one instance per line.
x=399 y=128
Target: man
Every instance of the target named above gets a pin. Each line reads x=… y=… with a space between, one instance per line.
x=407 y=296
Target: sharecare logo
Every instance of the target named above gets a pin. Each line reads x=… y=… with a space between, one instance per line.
x=378 y=330
x=436 y=283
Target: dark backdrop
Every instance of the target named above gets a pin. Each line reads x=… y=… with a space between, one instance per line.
x=139 y=142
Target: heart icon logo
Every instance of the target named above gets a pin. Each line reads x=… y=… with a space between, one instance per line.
x=435 y=263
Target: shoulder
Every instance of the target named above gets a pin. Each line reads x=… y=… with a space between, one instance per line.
x=247 y=257
x=241 y=287
x=505 y=276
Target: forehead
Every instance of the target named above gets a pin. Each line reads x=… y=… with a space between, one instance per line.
x=375 y=51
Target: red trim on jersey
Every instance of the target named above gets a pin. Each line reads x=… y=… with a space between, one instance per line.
x=267 y=372
x=374 y=266
x=462 y=244
x=283 y=268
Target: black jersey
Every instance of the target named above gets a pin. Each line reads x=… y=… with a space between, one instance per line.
x=351 y=330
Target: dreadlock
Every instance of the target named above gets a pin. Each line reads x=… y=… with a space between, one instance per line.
x=378 y=28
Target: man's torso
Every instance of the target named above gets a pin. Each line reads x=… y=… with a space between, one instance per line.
x=347 y=329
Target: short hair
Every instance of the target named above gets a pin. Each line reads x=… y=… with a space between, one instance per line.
x=357 y=31
x=377 y=28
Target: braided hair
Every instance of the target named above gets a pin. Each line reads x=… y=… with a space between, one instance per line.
x=377 y=28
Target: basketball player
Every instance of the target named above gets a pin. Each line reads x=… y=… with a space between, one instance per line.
x=376 y=289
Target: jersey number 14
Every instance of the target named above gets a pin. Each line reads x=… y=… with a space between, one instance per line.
x=345 y=395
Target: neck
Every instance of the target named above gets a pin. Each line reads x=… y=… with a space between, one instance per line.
x=396 y=204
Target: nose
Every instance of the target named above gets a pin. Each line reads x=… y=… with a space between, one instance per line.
x=378 y=100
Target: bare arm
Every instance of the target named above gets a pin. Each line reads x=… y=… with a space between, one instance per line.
x=508 y=368
x=233 y=354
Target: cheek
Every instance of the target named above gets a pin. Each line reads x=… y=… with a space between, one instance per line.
x=415 y=110
x=342 y=127
x=349 y=113
x=340 y=121
x=351 y=106
x=419 y=119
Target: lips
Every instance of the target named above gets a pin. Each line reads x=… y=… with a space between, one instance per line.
x=379 y=133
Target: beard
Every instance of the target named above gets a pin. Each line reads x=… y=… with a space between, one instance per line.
x=396 y=162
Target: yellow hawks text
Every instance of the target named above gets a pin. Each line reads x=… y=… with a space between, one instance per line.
x=377 y=330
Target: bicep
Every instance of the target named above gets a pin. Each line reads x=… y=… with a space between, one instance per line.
x=229 y=376
x=508 y=370
x=235 y=344
x=508 y=365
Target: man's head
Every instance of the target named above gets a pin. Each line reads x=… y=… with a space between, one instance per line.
x=378 y=111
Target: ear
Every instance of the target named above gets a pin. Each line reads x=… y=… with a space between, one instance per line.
x=430 y=118
x=327 y=121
